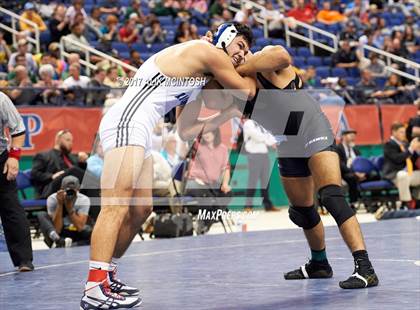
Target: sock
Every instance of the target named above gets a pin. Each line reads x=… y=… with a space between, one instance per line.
x=319 y=256
x=54 y=236
x=114 y=263
x=98 y=272
x=362 y=259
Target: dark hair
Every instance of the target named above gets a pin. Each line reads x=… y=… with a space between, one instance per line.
x=153 y=22
x=245 y=31
x=217 y=138
x=396 y=126
x=99 y=70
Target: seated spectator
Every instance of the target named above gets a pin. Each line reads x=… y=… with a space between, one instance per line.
x=181 y=10
x=58 y=25
x=411 y=41
x=245 y=16
x=397 y=48
x=274 y=18
x=329 y=16
x=29 y=13
x=309 y=75
x=50 y=93
x=74 y=86
x=209 y=174
x=112 y=80
x=154 y=33
x=400 y=165
x=169 y=151
x=73 y=58
x=22 y=50
x=376 y=66
x=393 y=91
x=135 y=7
x=217 y=8
x=110 y=6
x=345 y=91
x=94 y=24
x=50 y=167
x=97 y=95
x=135 y=59
x=129 y=33
x=349 y=34
x=72 y=11
x=302 y=12
x=345 y=57
x=198 y=10
x=184 y=33
x=21 y=61
x=163 y=7
x=4 y=53
x=24 y=95
x=365 y=89
x=68 y=210
x=348 y=152
x=109 y=34
x=76 y=34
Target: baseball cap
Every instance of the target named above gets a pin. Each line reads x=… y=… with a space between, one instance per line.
x=70 y=182
x=29 y=6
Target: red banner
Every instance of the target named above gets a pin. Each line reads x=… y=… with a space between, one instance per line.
x=42 y=124
x=365 y=120
x=396 y=114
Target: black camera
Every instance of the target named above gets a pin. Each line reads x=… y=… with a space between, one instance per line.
x=70 y=193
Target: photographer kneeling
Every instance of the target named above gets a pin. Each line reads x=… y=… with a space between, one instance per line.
x=67 y=215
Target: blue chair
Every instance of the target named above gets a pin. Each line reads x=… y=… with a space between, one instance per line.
x=351 y=81
x=326 y=61
x=278 y=42
x=120 y=47
x=339 y=72
x=23 y=182
x=299 y=61
x=304 y=52
x=258 y=33
x=166 y=21
x=140 y=47
x=262 y=41
x=323 y=72
x=377 y=192
x=45 y=37
x=314 y=61
x=380 y=82
x=157 y=47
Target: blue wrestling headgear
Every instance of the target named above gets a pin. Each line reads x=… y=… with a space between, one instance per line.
x=224 y=35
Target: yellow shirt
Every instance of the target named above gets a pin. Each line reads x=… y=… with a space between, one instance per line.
x=35 y=18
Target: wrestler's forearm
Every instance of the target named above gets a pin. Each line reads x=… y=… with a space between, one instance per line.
x=272 y=58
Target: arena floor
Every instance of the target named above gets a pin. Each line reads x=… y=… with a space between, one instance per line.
x=231 y=271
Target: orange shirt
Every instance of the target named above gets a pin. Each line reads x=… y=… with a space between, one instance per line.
x=330 y=16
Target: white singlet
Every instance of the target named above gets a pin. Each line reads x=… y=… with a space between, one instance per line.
x=149 y=96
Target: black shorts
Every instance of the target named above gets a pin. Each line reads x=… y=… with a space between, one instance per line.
x=297 y=167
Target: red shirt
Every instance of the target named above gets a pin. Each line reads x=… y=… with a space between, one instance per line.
x=306 y=15
x=124 y=33
x=209 y=164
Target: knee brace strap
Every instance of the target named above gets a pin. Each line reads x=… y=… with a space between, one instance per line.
x=305 y=217
x=332 y=198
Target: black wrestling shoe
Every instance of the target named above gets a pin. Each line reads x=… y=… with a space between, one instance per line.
x=363 y=276
x=311 y=270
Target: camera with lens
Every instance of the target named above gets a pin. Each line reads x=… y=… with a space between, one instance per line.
x=70 y=193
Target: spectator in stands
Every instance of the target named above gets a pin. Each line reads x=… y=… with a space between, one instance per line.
x=21 y=96
x=198 y=10
x=135 y=7
x=30 y=14
x=365 y=88
x=129 y=33
x=97 y=95
x=94 y=24
x=72 y=11
x=349 y=34
x=169 y=151
x=245 y=16
x=413 y=128
x=217 y=8
x=50 y=94
x=59 y=65
x=4 y=53
x=73 y=58
x=209 y=174
x=328 y=16
x=181 y=10
x=183 y=33
x=162 y=7
x=393 y=92
x=345 y=57
x=22 y=50
x=154 y=33
x=257 y=142
x=50 y=167
x=400 y=165
x=74 y=86
x=345 y=91
x=68 y=211
x=347 y=152
x=113 y=81
x=411 y=41
x=135 y=59
x=58 y=23
x=109 y=34
x=309 y=75
x=302 y=12
x=76 y=34
x=376 y=66
x=274 y=19
x=397 y=48
x=110 y=6
x=48 y=59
